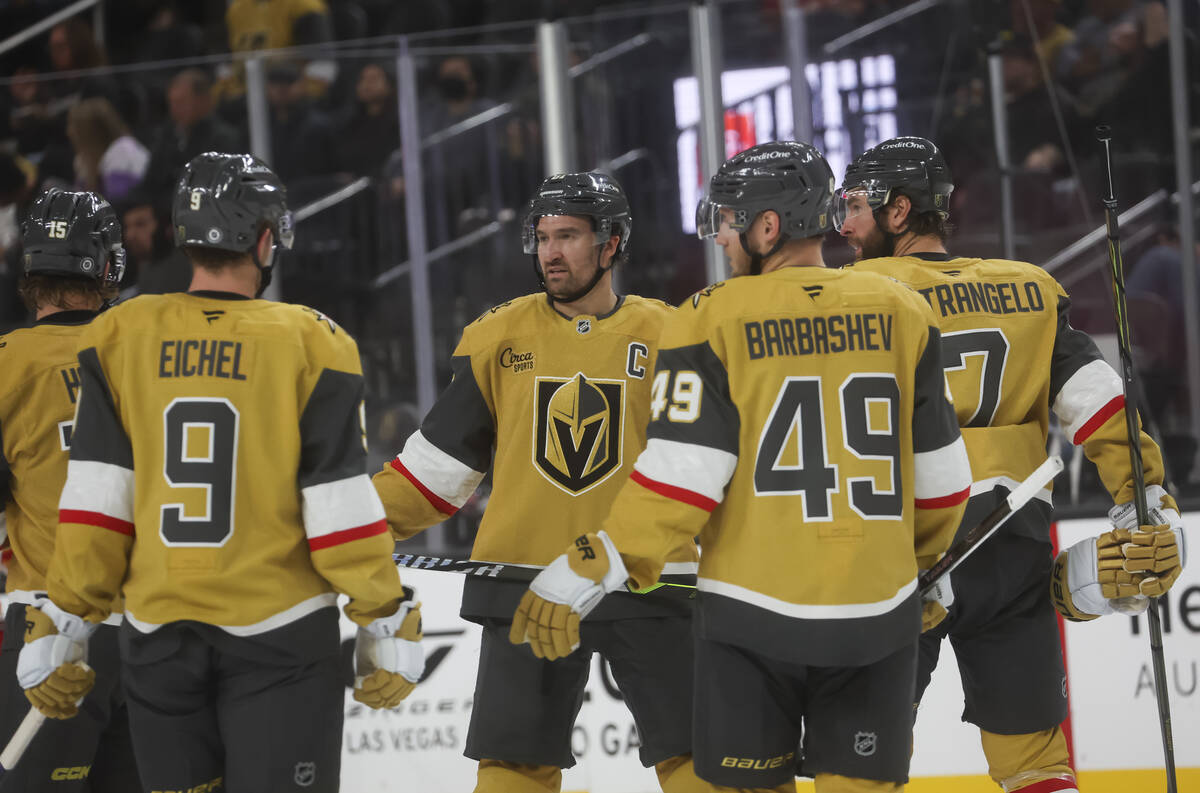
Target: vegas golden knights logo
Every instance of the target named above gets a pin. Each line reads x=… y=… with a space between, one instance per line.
x=578 y=430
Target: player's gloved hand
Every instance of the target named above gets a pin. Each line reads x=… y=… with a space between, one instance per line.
x=566 y=592
x=1089 y=579
x=1157 y=551
x=52 y=666
x=936 y=603
x=388 y=658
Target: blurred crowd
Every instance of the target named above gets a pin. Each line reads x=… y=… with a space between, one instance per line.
x=119 y=110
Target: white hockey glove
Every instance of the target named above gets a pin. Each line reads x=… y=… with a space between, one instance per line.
x=388 y=657
x=564 y=593
x=936 y=603
x=52 y=666
x=1157 y=551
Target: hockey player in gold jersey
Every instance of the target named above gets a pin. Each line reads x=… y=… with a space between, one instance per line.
x=1011 y=356
x=73 y=264
x=218 y=481
x=551 y=391
x=799 y=424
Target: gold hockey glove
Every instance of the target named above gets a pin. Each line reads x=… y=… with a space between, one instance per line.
x=564 y=593
x=388 y=658
x=1153 y=554
x=1093 y=578
x=936 y=603
x=1157 y=552
x=52 y=666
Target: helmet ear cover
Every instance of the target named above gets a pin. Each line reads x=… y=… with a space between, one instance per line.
x=73 y=235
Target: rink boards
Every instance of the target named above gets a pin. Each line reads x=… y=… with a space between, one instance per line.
x=1114 y=722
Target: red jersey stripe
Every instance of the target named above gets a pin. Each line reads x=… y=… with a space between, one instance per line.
x=943 y=501
x=97 y=519
x=440 y=504
x=347 y=535
x=1098 y=418
x=676 y=493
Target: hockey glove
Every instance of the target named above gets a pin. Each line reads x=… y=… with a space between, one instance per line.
x=52 y=666
x=564 y=593
x=936 y=603
x=1090 y=579
x=1156 y=552
x=388 y=658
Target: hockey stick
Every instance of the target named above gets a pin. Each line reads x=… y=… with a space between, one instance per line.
x=1043 y=475
x=1124 y=344
x=501 y=571
x=20 y=740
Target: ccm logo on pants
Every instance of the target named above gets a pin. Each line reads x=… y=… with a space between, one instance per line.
x=75 y=772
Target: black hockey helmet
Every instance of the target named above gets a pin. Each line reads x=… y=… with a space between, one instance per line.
x=590 y=194
x=910 y=165
x=224 y=200
x=73 y=235
x=791 y=178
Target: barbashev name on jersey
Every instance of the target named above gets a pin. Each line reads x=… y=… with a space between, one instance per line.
x=818 y=335
x=984 y=297
x=201 y=358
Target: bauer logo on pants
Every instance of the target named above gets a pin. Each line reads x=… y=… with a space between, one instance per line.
x=578 y=430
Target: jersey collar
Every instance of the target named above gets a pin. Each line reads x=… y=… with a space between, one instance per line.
x=215 y=295
x=71 y=317
x=616 y=307
x=933 y=256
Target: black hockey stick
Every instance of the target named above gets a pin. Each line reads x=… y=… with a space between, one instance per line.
x=20 y=740
x=501 y=571
x=1020 y=496
x=1124 y=344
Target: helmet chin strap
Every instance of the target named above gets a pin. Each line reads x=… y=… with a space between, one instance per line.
x=757 y=259
x=264 y=270
x=581 y=292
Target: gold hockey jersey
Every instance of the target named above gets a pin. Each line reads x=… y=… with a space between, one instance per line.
x=1011 y=355
x=557 y=408
x=799 y=423
x=39 y=384
x=218 y=469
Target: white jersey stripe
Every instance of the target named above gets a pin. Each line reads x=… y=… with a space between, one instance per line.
x=1086 y=392
x=690 y=466
x=98 y=487
x=446 y=477
x=337 y=506
x=807 y=611
x=941 y=472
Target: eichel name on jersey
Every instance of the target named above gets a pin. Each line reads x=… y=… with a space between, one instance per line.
x=37 y=407
x=250 y=496
x=1010 y=355
x=563 y=404
x=819 y=483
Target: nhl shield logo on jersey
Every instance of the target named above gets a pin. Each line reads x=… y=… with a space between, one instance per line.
x=578 y=430
x=864 y=743
x=305 y=774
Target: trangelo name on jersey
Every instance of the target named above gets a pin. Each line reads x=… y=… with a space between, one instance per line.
x=818 y=335
x=201 y=358
x=984 y=297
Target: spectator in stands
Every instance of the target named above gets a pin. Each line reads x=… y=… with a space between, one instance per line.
x=369 y=130
x=457 y=95
x=18 y=179
x=34 y=121
x=1035 y=141
x=1038 y=20
x=191 y=130
x=153 y=265
x=271 y=24
x=299 y=134
x=108 y=160
x=1109 y=48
